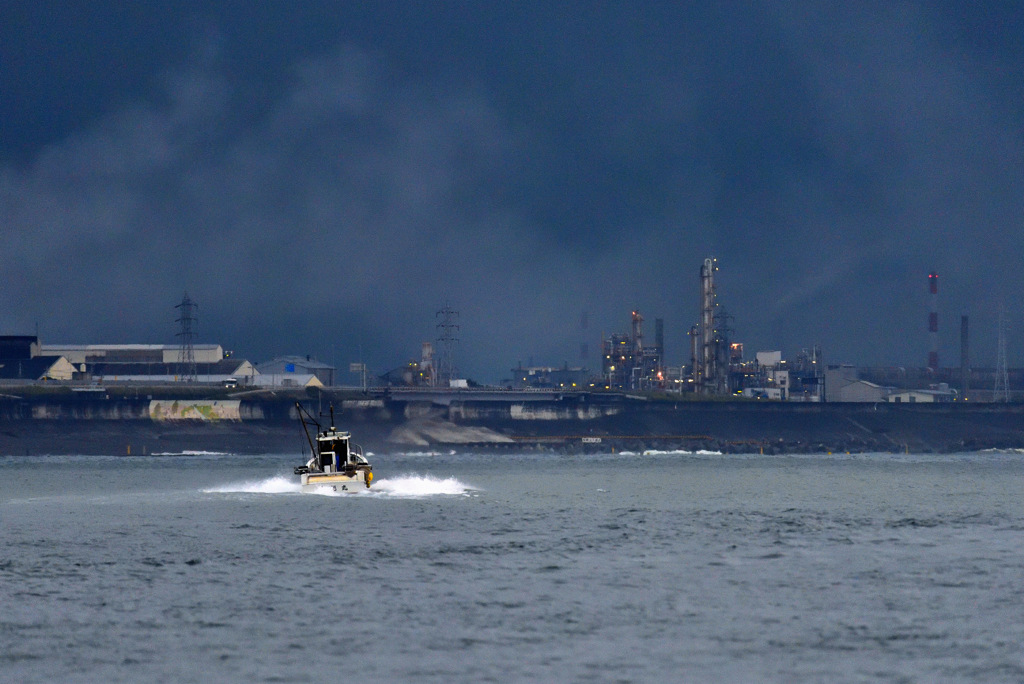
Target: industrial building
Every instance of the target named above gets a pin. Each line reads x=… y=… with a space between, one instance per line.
x=293 y=366
x=766 y=378
x=922 y=396
x=152 y=363
x=271 y=380
x=627 y=363
x=24 y=358
x=226 y=370
x=630 y=362
x=717 y=364
x=132 y=353
x=37 y=369
x=22 y=362
x=414 y=373
x=843 y=385
x=549 y=377
x=769 y=376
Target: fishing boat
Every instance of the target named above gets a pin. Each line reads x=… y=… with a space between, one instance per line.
x=337 y=465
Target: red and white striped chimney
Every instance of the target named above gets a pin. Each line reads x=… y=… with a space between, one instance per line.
x=933 y=321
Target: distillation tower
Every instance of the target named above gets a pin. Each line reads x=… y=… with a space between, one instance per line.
x=710 y=368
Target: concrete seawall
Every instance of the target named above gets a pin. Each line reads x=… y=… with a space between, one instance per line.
x=762 y=426
x=68 y=423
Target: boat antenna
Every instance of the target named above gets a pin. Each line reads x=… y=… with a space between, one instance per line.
x=305 y=428
x=332 y=414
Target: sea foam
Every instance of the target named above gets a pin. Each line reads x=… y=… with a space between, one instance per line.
x=402 y=486
x=279 y=484
x=420 y=485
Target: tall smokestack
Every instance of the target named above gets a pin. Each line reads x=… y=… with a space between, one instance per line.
x=933 y=321
x=965 y=360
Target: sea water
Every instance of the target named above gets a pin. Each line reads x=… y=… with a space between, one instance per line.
x=646 y=567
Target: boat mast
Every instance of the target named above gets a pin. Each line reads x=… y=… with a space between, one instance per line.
x=305 y=428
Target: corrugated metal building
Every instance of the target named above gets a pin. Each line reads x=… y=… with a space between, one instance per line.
x=921 y=396
x=131 y=353
x=36 y=369
x=842 y=384
x=299 y=365
x=226 y=369
x=287 y=380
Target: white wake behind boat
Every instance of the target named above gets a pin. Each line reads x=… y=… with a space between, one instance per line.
x=337 y=465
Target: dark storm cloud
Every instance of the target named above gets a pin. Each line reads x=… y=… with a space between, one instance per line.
x=325 y=186
x=342 y=202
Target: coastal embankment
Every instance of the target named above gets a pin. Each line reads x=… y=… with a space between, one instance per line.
x=161 y=420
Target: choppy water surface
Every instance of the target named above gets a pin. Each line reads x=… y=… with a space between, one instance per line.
x=657 y=567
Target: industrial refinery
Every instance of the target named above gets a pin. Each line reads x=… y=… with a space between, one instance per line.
x=723 y=397
x=633 y=360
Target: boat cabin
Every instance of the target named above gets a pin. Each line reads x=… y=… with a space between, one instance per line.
x=335 y=454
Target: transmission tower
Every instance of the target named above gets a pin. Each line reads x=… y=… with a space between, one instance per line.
x=186 y=331
x=1001 y=391
x=448 y=331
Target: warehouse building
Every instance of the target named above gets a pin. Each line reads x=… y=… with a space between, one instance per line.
x=22 y=362
x=240 y=371
x=23 y=358
x=286 y=366
x=132 y=353
x=922 y=396
x=38 y=369
x=842 y=384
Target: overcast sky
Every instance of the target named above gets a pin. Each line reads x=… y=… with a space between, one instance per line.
x=323 y=177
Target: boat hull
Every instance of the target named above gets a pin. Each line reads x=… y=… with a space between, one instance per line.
x=335 y=482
